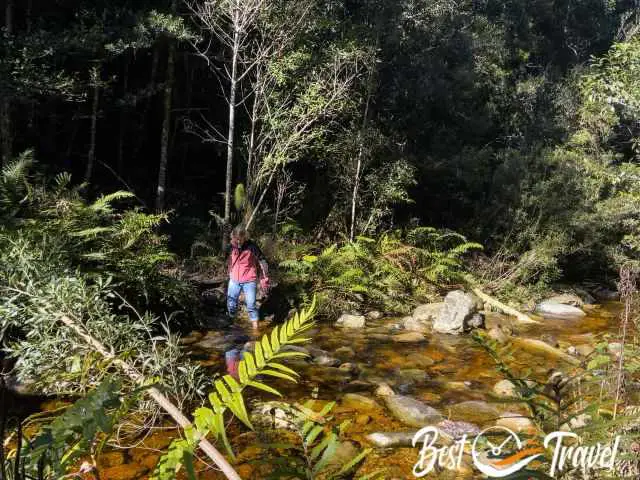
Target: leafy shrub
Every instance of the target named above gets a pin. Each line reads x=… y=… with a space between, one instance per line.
x=389 y=272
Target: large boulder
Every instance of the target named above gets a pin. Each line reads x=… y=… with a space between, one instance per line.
x=347 y=320
x=549 y=308
x=412 y=412
x=459 y=314
x=566 y=299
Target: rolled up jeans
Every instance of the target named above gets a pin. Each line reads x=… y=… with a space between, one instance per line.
x=233 y=293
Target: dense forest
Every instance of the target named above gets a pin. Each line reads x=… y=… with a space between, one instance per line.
x=460 y=178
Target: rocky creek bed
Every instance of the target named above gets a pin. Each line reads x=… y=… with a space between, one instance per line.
x=391 y=376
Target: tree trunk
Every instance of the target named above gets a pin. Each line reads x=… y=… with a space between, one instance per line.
x=252 y=137
x=6 y=147
x=145 y=114
x=232 y=126
x=166 y=125
x=95 y=78
x=356 y=180
x=123 y=117
x=154 y=393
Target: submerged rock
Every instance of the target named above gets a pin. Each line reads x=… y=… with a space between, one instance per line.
x=605 y=294
x=539 y=347
x=412 y=412
x=351 y=321
x=498 y=335
x=458 y=314
x=427 y=311
x=505 y=388
x=558 y=310
x=360 y=402
x=516 y=423
x=409 y=337
x=475 y=411
x=391 y=439
x=453 y=430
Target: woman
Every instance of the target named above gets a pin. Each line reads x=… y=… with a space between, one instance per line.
x=245 y=258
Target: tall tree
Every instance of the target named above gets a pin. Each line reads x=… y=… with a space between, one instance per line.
x=6 y=139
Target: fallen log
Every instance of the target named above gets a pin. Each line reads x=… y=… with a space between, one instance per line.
x=158 y=396
x=522 y=318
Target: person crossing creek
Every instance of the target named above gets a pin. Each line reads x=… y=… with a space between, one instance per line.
x=248 y=269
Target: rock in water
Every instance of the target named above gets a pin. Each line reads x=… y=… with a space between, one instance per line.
x=391 y=439
x=505 y=388
x=351 y=321
x=475 y=411
x=516 y=423
x=458 y=314
x=566 y=299
x=412 y=412
x=409 y=337
x=427 y=312
x=558 y=310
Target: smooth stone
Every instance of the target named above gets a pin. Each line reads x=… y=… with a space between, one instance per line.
x=345 y=452
x=550 y=340
x=348 y=367
x=454 y=430
x=505 y=388
x=347 y=320
x=497 y=334
x=585 y=350
x=576 y=423
x=566 y=299
x=381 y=337
x=558 y=310
x=414 y=325
x=412 y=412
x=604 y=294
x=326 y=361
x=539 y=347
x=458 y=310
x=615 y=348
x=362 y=419
x=384 y=390
x=414 y=375
x=409 y=337
x=420 y=361
x=374 y=315
x=345 y=352
x=360 y=402
x=516 y=423
x=427 y=312
x=392 y=439
x=474 y=411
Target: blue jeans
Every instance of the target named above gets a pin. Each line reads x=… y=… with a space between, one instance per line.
x=249 y=289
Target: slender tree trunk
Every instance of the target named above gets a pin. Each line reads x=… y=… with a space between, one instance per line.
x=123 y=117
x=166 y=125
x=232 y=125
x=252 y=137
x=95 y=78
x=356 y=180
x=145 y=114
x=6 y=141
x=154 y=393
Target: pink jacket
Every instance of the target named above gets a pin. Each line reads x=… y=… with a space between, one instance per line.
x=244 y=262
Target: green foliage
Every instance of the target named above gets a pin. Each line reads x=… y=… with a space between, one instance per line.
x=63 y=256
x=389 y=271
x=50 y=448
x=228 y=395
x=317 y=454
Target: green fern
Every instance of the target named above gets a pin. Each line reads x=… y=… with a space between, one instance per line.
x=228 y=392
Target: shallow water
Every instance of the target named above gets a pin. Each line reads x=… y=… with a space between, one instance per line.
x=442 y=371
